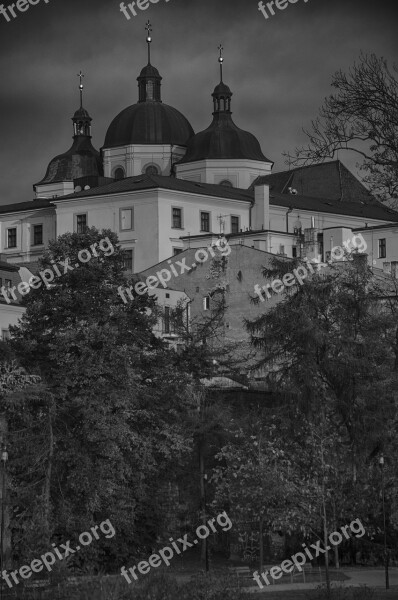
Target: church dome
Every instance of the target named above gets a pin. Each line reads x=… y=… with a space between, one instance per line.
x=223 y=139
x=149 y=121
x=82 y=159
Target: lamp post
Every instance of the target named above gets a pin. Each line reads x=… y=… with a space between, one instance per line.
x=4 y=459
x=381 y=463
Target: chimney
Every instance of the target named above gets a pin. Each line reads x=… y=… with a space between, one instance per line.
x=261 y=207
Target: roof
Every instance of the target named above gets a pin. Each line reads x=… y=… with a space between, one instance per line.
x=81 y=160
x=39 y=203
x=147 y=182
x=223 y=140
x=331 y=180
x=6 y=266
x=148 y=123
x=376 y=210
x=386 y=226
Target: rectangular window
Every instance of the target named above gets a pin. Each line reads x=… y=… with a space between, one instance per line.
x=5 y=334
x=81 y=223
x=204 y=221
x=234 y=224
x=382 y=248
x=1 y=282
x=128 y=260
x=177 y=251
x=166 y=322
x=294 y=252
x=12 y=237
x=177 y=218
x=206 y=303
x=126 y=219
x=37 y=235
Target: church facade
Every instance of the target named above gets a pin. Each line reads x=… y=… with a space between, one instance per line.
x=162 y=189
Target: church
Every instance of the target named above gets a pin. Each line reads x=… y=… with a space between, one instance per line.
x=164 y=189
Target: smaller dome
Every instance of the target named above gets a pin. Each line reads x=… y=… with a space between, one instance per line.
x=81 y=113
x=81 y=160
x=222 y=89
x=150 y=71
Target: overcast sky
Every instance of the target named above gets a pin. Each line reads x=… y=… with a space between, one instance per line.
x=278 y=69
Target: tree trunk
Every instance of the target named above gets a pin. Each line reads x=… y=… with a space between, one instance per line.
x=5 y=526
x=47 y=481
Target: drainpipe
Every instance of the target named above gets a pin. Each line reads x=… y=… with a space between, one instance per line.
x=287 y=219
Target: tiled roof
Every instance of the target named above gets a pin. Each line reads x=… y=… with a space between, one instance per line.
x=147 y=182
x=31 y=205
x=331 y=180
x=375 y=210
x=386 y=226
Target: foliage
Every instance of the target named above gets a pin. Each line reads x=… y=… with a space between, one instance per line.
x=101 y=439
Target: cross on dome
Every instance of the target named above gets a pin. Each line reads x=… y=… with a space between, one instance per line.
x=221 y=59
x=148 y=28
x=81 y=87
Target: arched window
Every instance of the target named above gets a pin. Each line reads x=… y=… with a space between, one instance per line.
x=226 y=183
x=119 y=173
x=152 y=170
x=149 y=90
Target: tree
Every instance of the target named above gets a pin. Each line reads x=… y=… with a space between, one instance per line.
x=109 y=429
x=361 y=117
x=331 y=342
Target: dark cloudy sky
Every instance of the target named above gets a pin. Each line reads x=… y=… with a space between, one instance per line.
x=279 y=69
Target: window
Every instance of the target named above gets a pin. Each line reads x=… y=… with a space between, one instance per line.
x=12 y=237
x=1 y=282
x=128 y=260
x=177 y=251
x=119 y=174
x=206 y=303
x=37 y=235
x=177 y=218
x=152 y=170
x=281 y=249
x=294 y=252
x=166 y=321
x=126 y=219
x=5 y=334
x=149 y=90
x=382 y=248
x=226 y=183
x=234 y=224
x=8 y=283
x=81 y=223
x=204 y=221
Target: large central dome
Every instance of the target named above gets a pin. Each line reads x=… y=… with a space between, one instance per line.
x=149 y=121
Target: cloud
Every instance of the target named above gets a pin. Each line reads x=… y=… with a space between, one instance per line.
x=278 y=69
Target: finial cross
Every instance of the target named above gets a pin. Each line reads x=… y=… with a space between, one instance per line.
x=81 y=75
x=221 y=59
x=148 y=27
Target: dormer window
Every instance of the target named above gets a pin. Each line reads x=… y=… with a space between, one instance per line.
x=226 y=183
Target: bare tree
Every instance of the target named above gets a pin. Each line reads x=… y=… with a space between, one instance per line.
x=362 y=117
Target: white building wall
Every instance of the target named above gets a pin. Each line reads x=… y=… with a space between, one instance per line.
x=23 y=222
x=134 y=159
x=191 y=208
x=372 y=238
x=241 y=173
